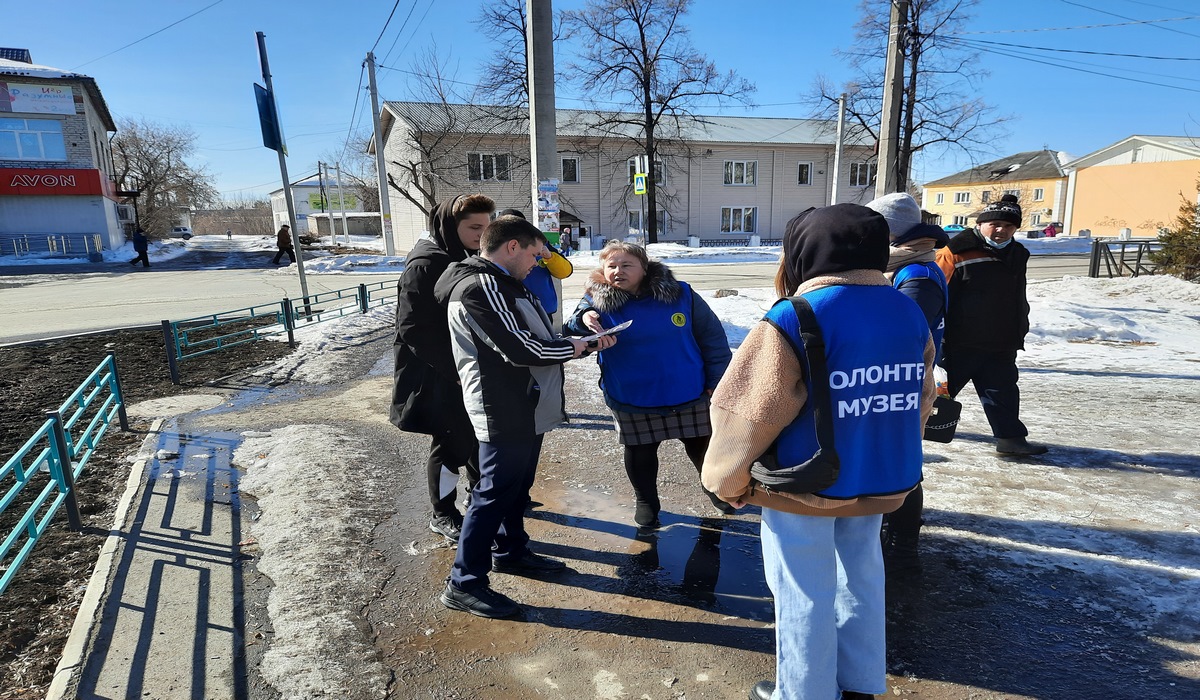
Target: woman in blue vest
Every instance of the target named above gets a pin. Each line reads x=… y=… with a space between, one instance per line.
x=821 y=552
x=659 y=375
x=913 y=271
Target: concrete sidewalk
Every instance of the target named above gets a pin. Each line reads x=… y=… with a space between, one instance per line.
x=163 y=613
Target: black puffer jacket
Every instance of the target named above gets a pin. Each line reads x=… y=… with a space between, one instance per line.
x=426 y=397
x=988 y=309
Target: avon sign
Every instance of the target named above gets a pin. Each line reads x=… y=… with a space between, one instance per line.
x=48 y=181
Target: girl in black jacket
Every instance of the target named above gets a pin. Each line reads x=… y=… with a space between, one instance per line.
x=426 y=397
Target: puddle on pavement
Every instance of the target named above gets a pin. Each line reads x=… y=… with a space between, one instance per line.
x=711 y=563
x=256 y=397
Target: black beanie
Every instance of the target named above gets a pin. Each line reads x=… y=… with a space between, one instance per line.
x=835 y=239
x=1007 y=209
x=512 y=212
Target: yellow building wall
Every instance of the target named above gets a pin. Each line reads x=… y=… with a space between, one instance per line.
x=1138 y=196
x=948 y=209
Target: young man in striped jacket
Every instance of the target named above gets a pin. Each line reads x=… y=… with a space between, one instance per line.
x=509 y=363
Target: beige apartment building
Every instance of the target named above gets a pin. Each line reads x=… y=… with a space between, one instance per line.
x=1037 y=179
x=720 y=181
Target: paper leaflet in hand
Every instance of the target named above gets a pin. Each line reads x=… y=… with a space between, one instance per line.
x=607 y=331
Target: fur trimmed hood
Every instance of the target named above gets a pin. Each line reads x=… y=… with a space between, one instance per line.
x=659 y=283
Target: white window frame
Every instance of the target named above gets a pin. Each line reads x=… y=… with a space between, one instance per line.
x=962 y=197
x=801 y=181
x=1039 y=193
x=562 y=172
x=1015 y=193
x=941 y=198
x=489 y=161
x=1035 y=219
x=635 y=216
x=856 y=178
x=659 y=173
x=985 y=196
x=960 y=221
x=25 y=140
x=749 y=173
x=728 y=223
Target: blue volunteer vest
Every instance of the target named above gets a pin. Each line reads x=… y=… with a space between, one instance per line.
x=928 y=270
x=874 y=348
x=656 y=361
x=541 y=283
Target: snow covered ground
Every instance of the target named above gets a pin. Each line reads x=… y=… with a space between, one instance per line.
x=327 y=262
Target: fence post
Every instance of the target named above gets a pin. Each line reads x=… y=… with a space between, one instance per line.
x=116 y=390
x=169 y=343
x=1094 y=263
x=68 y=471
x=364 y=300
x=288 y=323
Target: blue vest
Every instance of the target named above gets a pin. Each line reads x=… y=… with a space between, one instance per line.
x=541 y=283
x=875 y=352
x=928 y=270
x=656 y=362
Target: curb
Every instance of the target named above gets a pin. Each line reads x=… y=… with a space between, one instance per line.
x=75 y=651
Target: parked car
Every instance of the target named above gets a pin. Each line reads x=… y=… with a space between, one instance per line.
x=954 y=228
x=184 y=232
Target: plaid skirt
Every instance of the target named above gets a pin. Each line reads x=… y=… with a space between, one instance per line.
x=648 y=428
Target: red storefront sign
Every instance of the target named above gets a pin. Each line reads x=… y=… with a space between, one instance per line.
x=49 y=181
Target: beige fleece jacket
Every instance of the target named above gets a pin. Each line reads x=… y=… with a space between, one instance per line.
x=761 y=393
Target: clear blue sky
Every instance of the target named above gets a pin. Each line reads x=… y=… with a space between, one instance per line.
x=198 y=73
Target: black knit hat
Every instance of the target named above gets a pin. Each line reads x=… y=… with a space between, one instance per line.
x=835 y=239
x=1007 y=210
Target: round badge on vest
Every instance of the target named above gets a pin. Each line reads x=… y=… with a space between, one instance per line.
x=678 y=319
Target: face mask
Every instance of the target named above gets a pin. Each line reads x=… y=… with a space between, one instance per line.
x=994 y=244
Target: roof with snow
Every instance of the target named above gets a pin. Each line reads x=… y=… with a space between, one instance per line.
x=1029 y=165
x=20 y=69
x=1187 y=145
x=513 y=121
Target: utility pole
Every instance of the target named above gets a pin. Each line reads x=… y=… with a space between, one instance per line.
x=326 y=204
x=542 y=128
x=385 y=205
x=283 y=172
x=887 y=176
x=837 y=148
x=337 y=167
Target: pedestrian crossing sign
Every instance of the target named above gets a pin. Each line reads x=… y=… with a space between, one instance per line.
x=639 y=183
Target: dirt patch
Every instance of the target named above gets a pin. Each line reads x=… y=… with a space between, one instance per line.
x=39 y=607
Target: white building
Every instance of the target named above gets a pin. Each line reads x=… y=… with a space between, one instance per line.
x=57 y=185
x=721 y=181
x=307 y=198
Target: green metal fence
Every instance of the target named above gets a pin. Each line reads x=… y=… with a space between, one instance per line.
x=201 y=335
x=41 y=476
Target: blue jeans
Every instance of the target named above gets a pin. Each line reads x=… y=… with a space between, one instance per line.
x=494 y=525
x=827 y=578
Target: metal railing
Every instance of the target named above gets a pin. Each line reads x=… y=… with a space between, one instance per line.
x=52 y=456
x=201 y=335
x=1131 y=256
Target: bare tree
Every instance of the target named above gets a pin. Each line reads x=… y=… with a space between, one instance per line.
x=151 y=158
x=638 y=53
x=505 y=78
x=438 y=132
x=938 y=108
x=242 y=215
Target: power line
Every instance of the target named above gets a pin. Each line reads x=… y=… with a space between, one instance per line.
x=385 y=25
x=970 y=44
x=1114 y=14
x=1106 y=75
x=400 y=33
x=1161 y=7
x=81 y=65
x=1092 y=53
x=357 y=95
x=1082 y=26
